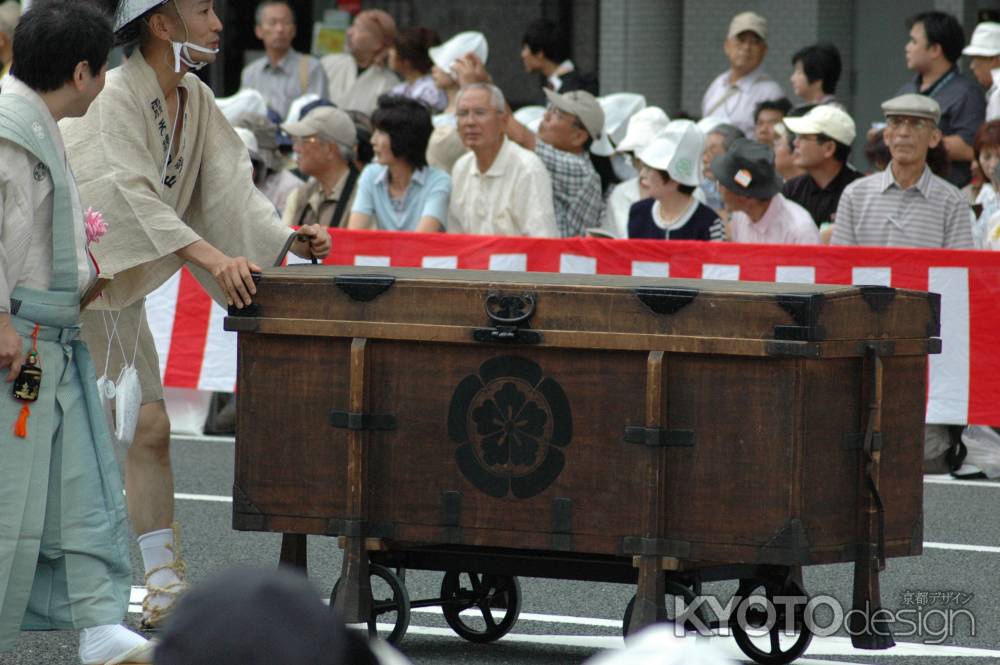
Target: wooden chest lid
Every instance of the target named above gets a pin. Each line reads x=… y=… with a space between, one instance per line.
x=593 y=311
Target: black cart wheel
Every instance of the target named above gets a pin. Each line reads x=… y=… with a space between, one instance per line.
x=769 y=644
x=677 y=595
x=390 y=604
x=480 y=607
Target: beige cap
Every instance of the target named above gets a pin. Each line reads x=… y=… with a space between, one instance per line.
x=584 y=106
x=329 y=124
x=985 y=40
x=912 y=104
x=825 y=119
x=748 y=21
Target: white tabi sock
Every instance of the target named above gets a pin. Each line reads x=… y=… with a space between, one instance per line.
x=103 y=643
x=158 y=550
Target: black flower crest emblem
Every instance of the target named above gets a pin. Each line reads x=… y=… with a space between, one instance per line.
x=511 y=424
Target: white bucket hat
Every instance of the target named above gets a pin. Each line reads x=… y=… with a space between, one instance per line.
x=677 y=150
x=530 y=116
x=445 y=55
x=618 y=109
x=130 y=10
x=643 y=127
x=246 y=100
x=985 y=40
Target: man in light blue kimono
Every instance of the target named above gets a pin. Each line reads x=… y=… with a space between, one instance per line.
x=63 y=533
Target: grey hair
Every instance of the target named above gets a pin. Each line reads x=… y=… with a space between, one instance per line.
x=10 y=14
x=259 y=14
x=729 y=133
x=496 y=95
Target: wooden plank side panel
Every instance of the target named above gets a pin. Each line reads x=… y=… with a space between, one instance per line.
x=289 y=459
x=734 y=485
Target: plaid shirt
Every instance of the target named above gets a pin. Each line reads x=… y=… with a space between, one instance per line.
x=576 y=189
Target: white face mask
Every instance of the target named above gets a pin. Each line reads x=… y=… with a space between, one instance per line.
x=182 y=50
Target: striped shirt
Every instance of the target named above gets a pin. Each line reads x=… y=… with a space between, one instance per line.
x=876 y=211
x=281 y=83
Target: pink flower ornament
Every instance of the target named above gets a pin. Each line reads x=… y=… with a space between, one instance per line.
x=95 y=225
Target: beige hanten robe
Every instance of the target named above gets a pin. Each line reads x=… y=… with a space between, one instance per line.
x=118 y=152
x=354 y=92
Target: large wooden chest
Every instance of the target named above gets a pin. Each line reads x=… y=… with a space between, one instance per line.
x=704 y=421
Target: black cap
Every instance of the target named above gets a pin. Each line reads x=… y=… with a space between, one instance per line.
x=747 y=169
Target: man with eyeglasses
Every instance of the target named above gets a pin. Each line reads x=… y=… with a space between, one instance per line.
x=908 y=206
x=735 y=94
x=498 y=187
x=283 y=74
x=571 y=124
x=822 y=146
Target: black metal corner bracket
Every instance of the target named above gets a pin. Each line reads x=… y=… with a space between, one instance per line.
x=934 y=325
x=364 y=288
x=878 y=297
x=665 y=301
x=804 y=309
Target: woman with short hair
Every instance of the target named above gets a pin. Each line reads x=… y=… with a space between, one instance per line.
x=399 y=191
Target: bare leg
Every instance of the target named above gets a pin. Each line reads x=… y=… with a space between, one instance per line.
x=149 y=479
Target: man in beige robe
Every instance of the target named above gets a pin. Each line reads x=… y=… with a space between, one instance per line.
x=156 y=156
x=359 y=77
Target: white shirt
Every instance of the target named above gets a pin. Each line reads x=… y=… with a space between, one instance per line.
x=993 y=97
x=513 y=197
x=738 y=108
x=784 y=223
x=619 y=202
x=26 y=212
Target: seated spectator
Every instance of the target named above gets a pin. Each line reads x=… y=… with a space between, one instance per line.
x=324 y=144
x=572 y=122
x=823 y=139
x=272 y=176
x=934 y=212
x=718 y=139
x=751 y=189
x=611 y=166
x=360 y=76
x=984 y=61
x=642 y=129
x=409 y=59
x=766 y=116
x=669 y=171
x=816 y=72
x=987 y=147
x=10 y=13
x=364 y=154
x=445 y=146
x=936 y=43
x=784 y=153
x=283 y=74
x=498 y=188
x=260 y=617
x=545 y=51
x=734 y=95
x=400 y=192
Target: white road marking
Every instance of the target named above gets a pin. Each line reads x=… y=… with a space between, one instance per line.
x=948 y=480
x=962 y=548
x=214 y=498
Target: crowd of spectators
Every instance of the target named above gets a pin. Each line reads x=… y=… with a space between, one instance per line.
x=448 y=153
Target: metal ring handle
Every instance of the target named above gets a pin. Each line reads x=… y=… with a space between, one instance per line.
x=526 y=301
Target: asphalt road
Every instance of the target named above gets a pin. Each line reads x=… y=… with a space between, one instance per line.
x=567 y=622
